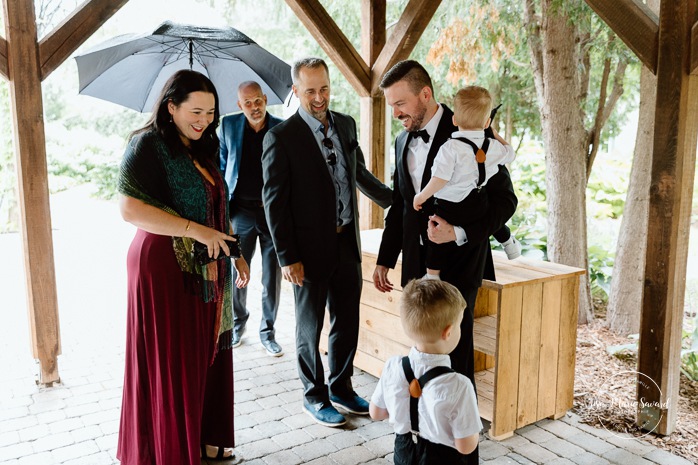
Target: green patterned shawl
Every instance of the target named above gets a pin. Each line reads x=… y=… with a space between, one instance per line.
x=150 y=172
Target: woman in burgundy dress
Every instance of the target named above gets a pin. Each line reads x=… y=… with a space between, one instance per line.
x=178 y=383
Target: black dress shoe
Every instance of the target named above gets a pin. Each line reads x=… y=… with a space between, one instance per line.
x=237 y=337
x=273 y=349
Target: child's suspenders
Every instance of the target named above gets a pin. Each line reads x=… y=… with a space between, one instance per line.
x=416 y=386
x=480 y=157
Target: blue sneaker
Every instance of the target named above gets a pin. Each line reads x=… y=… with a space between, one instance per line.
x=353 y=404
x=324 y=414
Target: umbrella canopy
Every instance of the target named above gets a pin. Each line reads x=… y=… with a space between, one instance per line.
x=131 y=69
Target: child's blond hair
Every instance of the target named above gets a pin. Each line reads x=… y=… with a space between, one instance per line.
x=427 y=307
x=471 y=107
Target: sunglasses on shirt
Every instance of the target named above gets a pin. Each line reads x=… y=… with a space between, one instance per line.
x=332 y=157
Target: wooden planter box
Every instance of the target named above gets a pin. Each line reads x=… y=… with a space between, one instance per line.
x=524 y=335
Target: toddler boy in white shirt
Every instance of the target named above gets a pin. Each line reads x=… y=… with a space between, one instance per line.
x=447 y=423
x=460 y=172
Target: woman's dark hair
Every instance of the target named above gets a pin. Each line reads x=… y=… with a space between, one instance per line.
x=177 y=90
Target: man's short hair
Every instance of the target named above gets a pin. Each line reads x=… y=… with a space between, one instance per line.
x=410 y=71
x=309 y=62
x=428 y=306
x=246 y=84
x=472 y=106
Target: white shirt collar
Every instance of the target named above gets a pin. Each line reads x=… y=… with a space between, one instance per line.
x=476 y=134
x=430 y=127
x=433 y=123
x=430 y=360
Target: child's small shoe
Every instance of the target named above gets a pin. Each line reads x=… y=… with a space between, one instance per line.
x=512 y=247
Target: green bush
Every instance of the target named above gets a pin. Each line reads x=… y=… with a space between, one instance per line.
x=606 y=198
x=689 y=351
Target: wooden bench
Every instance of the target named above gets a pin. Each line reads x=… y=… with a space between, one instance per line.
x=524 y=335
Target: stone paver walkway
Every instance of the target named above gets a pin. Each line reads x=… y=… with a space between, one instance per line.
x=76 y=421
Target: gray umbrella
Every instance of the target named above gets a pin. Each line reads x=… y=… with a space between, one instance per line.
x=131 y=69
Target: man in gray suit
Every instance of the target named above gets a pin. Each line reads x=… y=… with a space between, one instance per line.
x=312 y=167
x=241 y=137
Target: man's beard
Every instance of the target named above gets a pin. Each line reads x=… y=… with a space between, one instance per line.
x=319 y=115
x=417 y=118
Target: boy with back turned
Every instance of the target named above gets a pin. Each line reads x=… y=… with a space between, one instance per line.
x=435 y=416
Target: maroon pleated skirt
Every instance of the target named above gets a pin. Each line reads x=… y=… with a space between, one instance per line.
x=174 y=399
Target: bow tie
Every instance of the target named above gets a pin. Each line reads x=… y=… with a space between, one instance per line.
x=421 y=133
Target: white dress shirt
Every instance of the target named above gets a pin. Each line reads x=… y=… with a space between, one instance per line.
x=447 y=407
x=455 y=162
x=417 y=150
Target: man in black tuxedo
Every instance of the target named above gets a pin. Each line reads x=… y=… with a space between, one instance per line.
x=428 y=124
x=312 y=166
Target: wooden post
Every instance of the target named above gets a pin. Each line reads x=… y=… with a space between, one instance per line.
x=30 y=147
x=373 y=118
x=3 y=58
x=673 y=167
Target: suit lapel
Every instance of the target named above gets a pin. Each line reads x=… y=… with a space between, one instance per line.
x=345 y=139
x=443 y=132
x=237 y=133
x=307 y=145
x=401 y=164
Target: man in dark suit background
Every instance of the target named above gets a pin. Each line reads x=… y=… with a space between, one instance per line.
x=241 y=137
x=428 y=124
x=312 y=167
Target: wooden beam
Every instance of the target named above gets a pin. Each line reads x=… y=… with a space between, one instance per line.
x=30 y=145
x=671 y=192
x=373 y=142
x=373 y=117
x=694 y=50
x=372 y=29
x=3 y=58
x=404 y=38
x=65 y=38
x=635 y=24
x=333 y=41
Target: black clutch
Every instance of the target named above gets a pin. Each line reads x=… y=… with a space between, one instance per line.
x=201 y=251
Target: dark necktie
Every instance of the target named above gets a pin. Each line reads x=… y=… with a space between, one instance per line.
x=421 y=133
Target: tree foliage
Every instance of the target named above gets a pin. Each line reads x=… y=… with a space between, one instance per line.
x=486 y=46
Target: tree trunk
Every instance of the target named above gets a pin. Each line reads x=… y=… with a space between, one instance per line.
x=625 y=301
x=555 y=64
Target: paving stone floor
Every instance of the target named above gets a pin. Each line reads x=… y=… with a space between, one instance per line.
x=76 y=421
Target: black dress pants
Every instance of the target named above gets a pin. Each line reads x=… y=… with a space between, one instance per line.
x=340 y=292
x=425 y=452
x=463 y=356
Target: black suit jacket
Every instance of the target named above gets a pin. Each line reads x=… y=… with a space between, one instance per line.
x=403 y=224
x=299 y=194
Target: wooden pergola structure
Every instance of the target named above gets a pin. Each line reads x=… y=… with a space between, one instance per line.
x=667 y=45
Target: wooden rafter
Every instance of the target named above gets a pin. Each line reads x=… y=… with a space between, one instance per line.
x=65 y=38
x=333 y=41
x=635 y=24
x=404 y=38
x=3 y=58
